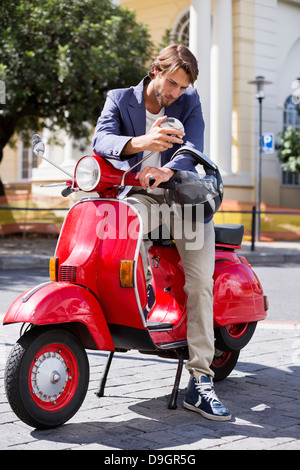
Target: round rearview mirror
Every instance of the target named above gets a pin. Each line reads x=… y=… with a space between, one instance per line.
x=38 y=145
x=173 y=122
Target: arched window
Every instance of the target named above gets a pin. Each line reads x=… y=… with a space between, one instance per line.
x=27 y=160
x=291 y=117
x=181 y=29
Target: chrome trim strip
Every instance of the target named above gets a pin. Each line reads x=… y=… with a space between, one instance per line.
x=174 y=345
x=136 y=256
x=34 y=290
x=158 y=330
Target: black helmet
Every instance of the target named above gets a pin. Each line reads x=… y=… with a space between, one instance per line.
x=187 y=188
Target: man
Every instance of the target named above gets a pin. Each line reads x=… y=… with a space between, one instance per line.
x=129 y=125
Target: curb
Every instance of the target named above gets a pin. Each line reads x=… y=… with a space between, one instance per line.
x=271 y=258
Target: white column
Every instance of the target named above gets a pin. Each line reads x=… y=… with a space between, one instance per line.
x=221 y=86
x=68 y=161
x=200 y=45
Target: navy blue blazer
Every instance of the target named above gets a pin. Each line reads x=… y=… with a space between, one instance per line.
x=124 y=116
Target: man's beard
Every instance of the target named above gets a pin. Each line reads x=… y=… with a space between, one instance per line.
x=160 y=99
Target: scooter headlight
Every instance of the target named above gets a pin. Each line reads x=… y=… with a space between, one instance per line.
x=87 y=173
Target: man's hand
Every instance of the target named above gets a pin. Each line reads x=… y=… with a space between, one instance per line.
x=157 y=139
x=160 y=175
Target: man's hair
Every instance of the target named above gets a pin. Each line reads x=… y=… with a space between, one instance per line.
x=173 y=57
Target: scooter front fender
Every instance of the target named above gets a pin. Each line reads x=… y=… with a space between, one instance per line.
x=62 y=303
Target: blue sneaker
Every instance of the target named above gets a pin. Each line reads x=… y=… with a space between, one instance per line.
x=201 y=397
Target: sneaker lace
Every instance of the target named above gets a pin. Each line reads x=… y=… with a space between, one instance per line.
x=207 y=391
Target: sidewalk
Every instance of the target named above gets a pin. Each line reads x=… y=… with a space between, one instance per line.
x=34 y=253
x=277 y=252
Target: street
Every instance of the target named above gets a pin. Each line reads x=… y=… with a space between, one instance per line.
x=280 y=283
x=282 y=286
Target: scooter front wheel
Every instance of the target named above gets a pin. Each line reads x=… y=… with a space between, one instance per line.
x=46 y=377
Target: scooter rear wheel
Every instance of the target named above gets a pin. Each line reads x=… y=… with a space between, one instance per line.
x=223 y=364
x=46 y=377
x=234 y=337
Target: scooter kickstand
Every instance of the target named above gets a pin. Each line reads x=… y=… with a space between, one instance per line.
x=100 y=391
x=173 y=400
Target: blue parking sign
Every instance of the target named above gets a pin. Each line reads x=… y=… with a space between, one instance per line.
x=267 y=143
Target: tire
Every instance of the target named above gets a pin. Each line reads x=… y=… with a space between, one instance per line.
x=234 y=337
x=46 y=377
x=223 y=364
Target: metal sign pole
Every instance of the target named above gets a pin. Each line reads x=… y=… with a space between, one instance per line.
x=259 y=82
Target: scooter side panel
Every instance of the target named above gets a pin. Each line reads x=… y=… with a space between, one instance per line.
x=121 y=237
x=96 y=236
x=170 y=306
x=60 y=302
x=238 y=295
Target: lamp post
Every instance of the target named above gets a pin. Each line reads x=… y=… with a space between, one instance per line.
x=260 y=94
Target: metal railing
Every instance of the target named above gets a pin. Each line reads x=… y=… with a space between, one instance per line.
x=46 y=209
x=255 y=214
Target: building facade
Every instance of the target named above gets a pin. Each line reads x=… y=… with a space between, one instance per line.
x=234 y=41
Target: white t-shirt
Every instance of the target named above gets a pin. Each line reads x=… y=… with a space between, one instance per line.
x=155 y=159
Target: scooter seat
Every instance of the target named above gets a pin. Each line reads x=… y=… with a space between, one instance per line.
x=229 y=234
x=226 y=234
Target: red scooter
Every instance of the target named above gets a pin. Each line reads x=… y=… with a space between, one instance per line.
x=97 y=299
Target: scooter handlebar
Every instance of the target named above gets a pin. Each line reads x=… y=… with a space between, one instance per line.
x=67 y=191
x=166 y=185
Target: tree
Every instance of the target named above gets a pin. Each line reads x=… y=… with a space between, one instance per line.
x=58 y=58
x=289 y=149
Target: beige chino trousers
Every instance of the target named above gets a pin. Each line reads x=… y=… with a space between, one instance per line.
x=198 y=264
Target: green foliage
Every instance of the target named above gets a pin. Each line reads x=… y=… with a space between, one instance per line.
x=289 y=149
x=58 y=58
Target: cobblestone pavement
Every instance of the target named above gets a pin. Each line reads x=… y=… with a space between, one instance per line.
x=262 y=394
